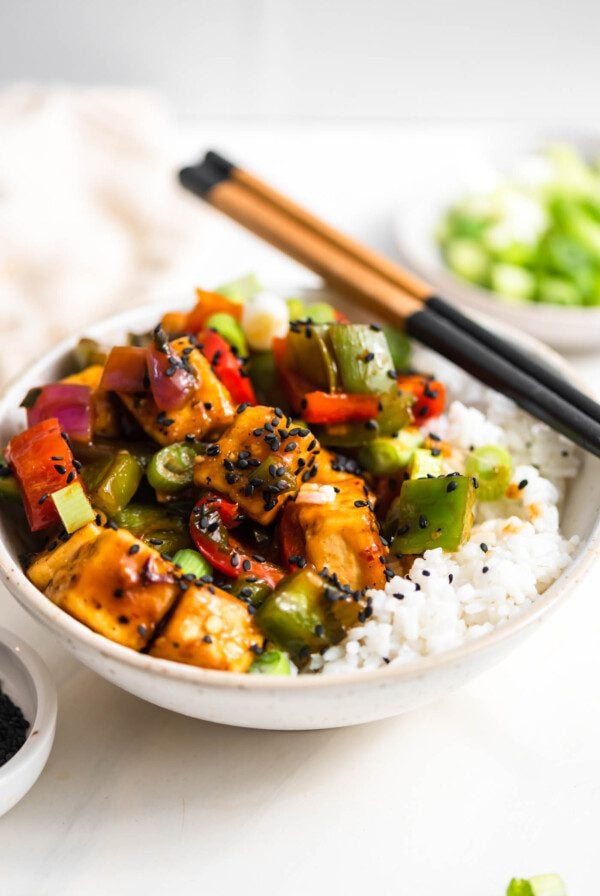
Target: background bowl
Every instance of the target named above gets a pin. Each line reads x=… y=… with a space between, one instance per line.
x=474 y=167
x=26 y=680
x=305 y=702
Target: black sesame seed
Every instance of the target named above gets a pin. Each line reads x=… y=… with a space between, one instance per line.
x=483 y=546
x=207 y=639
x=451 y=486
x=522 y=484
x=423 y=522
x=235 y=560
x=60 y=468
x=133 y=549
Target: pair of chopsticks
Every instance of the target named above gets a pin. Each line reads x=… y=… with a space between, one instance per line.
x=390 y=292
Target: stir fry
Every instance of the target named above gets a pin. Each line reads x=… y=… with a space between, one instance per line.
x=226 y=490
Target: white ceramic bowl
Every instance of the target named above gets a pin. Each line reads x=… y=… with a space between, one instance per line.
x=258 y=701
x=471 y=169
x=26 y=680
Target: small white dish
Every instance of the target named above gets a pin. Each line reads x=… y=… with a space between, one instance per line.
x=305 y=701
x=476 y=167
x=25 y=678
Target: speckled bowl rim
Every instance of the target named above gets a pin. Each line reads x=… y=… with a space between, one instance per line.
x=58 y=620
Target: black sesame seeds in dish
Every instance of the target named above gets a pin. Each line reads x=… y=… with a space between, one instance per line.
x=263 y=486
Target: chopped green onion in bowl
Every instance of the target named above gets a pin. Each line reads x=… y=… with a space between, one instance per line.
x=539 y=885
x=536 y=237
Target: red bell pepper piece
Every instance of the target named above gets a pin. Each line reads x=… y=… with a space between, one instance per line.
x=430 y=396
x=227 y=367
x=338 y=407
x=124 y=370
x=42 y=463
x=170 y=381
x=291 y=537
x=315 y=406
x=210 y=303
x=69 y=404
x=208 y=524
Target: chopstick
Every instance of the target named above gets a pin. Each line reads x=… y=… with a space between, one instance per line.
x=357 y=272
x=410 y=283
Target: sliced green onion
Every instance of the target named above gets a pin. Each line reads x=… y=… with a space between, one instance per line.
x=492 y=467
x=539 y=885
x=320 y=313
x=119 y=483
x=192 y=563
x=547 y=885
x=296 y=309
x=73 y=507
x=242 y=289
x=271 y=662
x=423 y=463
x=171 y=469
x=386 y=456
x=228 y=327
x=399 y=346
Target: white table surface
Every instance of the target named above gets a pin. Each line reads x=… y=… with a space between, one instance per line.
x=501 y=779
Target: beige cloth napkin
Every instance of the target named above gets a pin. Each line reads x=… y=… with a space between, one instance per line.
x=91 y=218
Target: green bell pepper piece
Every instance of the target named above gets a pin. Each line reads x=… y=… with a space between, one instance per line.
x=265 y=379
x=9 y=487
x=399 y=346
x=393 y=417
x=251 y=591
x=363 y=357
x=165 y=529
x=295 y=616
x=119 y=484
x=311 y=354
x=431 y=513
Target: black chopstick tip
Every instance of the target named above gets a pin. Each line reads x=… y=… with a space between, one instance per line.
x=219 y=162
x=201 y=178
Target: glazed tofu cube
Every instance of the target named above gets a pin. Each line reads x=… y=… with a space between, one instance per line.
x=209 y=628
x=339 y=533
x=208 y=410
x=59 y=555
x=110 y=581
x=105 y=420
x=259 y=461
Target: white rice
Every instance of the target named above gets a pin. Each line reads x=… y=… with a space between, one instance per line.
x=515 y=550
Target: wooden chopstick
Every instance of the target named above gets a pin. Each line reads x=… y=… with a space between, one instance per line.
x=372 y=289
x=409 y=283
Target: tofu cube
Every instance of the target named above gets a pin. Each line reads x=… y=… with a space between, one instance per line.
x=209 y=628
x=259 y=461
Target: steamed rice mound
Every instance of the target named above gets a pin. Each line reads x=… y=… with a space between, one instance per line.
x=515 y=550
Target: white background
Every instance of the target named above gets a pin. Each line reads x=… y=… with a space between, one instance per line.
x=326 y=59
